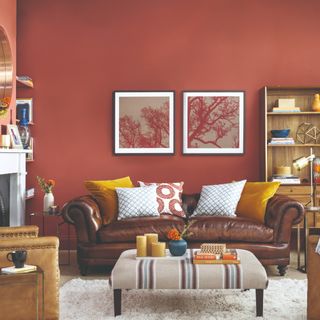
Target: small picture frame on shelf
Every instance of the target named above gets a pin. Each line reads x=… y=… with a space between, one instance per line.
x=14 y=136
x=27 y=104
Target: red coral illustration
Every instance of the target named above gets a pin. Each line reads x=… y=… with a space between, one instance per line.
x=150 y=131
x=213 y=122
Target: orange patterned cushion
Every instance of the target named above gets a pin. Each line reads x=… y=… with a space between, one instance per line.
x=168 y=197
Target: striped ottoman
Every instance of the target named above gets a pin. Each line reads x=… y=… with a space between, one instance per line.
x=181 y=273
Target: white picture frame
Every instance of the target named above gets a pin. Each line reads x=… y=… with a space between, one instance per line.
x=14 y=136
x=28 y=104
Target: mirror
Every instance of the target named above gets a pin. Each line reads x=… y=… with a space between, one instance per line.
x=6 y=73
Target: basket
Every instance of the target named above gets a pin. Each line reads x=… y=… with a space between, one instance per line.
x=213 y=248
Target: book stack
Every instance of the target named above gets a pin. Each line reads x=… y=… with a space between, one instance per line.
x=289 y=179
x=25 y=269
x=228 y=257
x=279 y=141
x=286 y=105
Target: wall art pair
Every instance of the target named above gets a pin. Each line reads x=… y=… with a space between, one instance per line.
x=213 y=122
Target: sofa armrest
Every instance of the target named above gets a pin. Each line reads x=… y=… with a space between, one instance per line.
x=43 y=252
x=84 y=213
x=281 y=214
x=18 y=232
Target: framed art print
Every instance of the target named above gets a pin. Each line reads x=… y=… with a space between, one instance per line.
x=213 y=122
x=143 y=122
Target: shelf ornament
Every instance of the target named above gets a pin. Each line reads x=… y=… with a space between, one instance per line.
x=307 y=133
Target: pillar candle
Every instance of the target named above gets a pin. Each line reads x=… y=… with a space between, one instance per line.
x=151 y=237
x=5 y=141
x=158 y=249
x=141 y=242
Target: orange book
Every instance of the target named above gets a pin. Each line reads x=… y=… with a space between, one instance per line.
x=206 y=257
x=229 y=256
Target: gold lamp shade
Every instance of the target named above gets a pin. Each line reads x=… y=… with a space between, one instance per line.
x=303 y=162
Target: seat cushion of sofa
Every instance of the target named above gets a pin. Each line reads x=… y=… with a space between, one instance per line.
x=126 y=230
x=229 y=229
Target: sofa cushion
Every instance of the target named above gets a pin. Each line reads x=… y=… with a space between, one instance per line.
x=229 y=229
x=168 y=197
x=219 y=199
x=127 y=230
x=105 y=194
x=254 y=199
x=137 y=202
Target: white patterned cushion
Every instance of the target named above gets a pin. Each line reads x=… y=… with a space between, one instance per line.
x=318 y=247
x=219 y=200
x=168 y=197
x=137 y=202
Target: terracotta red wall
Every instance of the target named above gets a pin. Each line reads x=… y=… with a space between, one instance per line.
x=8 y=20
x=78 y=52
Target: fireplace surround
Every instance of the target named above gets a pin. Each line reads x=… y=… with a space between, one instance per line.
x=13 y=166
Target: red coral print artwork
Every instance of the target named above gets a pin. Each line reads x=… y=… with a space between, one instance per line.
x=144 y=122
x=213 y=122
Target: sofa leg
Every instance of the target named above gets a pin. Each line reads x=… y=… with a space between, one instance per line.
x=282 y=270
x=83 y=270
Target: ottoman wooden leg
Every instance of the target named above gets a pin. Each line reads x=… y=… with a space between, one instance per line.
x=117 y=302
x=259 y=302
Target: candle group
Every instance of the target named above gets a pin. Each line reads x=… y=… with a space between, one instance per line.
x=148 y=245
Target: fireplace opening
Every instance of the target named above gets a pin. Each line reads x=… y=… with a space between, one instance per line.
x=4 y=200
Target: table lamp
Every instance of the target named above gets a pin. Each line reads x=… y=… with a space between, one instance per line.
x=303 y=162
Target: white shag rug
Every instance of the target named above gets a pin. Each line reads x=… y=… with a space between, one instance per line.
x=93 y=299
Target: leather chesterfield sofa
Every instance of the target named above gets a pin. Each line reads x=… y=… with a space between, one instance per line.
x=99 y=244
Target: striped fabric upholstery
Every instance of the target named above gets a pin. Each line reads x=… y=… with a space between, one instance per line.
x=181 y=273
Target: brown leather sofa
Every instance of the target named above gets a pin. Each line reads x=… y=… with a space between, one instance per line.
x=17 y=300
x=99 y=244
x=313 y=269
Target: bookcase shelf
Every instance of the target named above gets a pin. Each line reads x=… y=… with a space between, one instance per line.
x=284 y=154
x=307 y=145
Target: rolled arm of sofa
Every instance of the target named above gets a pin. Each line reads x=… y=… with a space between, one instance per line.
x=281 y=214
x=84 y=213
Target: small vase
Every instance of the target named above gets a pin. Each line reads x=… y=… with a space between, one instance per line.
x=316 y=103
x=48 y=201
x=178 y=247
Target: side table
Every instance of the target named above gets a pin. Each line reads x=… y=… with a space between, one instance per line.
x=22 y=281
x=306 y=231
x=57 y=232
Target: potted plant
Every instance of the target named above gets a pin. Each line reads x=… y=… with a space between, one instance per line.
x=177 y=243
x=46 y=187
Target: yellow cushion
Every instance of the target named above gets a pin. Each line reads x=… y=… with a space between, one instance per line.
x=254 y=198
x=106 y=196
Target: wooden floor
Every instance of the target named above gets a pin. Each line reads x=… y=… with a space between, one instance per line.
x=71 y=271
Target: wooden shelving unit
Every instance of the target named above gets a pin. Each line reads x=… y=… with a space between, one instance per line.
x=283 y=155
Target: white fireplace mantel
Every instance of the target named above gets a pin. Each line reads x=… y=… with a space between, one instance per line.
x=13 y=162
